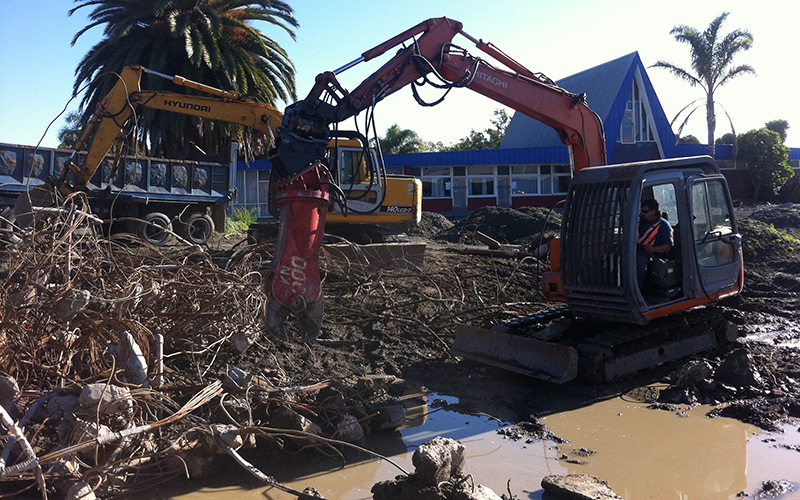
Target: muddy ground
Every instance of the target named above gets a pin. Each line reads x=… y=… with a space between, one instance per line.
x=398 y=323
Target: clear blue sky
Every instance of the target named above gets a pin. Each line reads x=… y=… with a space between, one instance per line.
x=555 y=38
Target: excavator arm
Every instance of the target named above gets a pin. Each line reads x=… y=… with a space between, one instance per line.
x=428 y=49
x=126 y=97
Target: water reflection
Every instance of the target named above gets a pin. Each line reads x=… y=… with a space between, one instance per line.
x=642 y=453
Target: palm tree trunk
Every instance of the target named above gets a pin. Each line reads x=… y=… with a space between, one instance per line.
x=712 y=123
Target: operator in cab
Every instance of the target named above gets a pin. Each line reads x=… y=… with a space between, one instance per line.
x=654 y=238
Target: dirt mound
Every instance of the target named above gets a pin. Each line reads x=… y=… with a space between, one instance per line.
x=785 y=217
x=763 y=241
x=430 y=224
x=506 y=225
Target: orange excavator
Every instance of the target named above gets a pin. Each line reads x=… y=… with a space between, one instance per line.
x=593 y=262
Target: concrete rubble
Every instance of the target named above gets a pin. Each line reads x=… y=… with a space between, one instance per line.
x=578 y=487
x=439 y=466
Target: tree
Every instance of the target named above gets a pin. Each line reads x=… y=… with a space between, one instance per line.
x=210 y=41
x=490 y=138
x=766 y=158
x=688 y=139
x=401 y=140
x=711 y=62
x=71 y=131
x=728 y=138
x=779 y=126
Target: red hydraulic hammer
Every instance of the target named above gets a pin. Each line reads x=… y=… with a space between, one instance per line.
x=293 y=285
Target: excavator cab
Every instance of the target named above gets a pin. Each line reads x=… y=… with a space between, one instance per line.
x=598 y=240
x=396 y=199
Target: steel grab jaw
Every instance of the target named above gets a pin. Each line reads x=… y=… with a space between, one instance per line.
x=293 y=284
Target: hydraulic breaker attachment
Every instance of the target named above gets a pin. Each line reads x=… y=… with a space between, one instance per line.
x=293 y=285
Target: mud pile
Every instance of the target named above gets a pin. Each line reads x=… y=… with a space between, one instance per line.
x=430 y=225
x=506 y=225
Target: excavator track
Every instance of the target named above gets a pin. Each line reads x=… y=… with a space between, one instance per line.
x=550 y=345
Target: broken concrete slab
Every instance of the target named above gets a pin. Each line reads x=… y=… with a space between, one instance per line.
x=438 y=460
x=132 y=358
x=349 y=430
x=739 y=370
x=71 y=304
x=236 y=379
x=80 y=491
x=286 y=418
x=390 y=416
x=578 y=487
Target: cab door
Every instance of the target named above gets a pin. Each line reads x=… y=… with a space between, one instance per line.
x=717 y=242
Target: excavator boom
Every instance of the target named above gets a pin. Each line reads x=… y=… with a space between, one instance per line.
x=126 y=97
x=428 y=49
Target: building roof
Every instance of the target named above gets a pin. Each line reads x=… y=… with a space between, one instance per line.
x=607 y=88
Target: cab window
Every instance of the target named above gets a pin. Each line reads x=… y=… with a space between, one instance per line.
x=712 y=220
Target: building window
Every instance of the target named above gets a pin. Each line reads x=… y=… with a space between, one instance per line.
x=635 y=125
x=480 y=180
x=561 y=178
x=539 y=179
x=436 y=182
x=524 y=179
x=263 y=193
x=394 y=170
x=253 y=187
x=626 y=128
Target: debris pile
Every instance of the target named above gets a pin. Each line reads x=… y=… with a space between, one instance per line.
x=117 y=358
x=125 y=365
x=430 y=225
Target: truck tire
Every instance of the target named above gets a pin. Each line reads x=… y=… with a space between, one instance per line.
x=155 y=229
x=198 y=229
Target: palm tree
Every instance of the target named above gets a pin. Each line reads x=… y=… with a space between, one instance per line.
x=712 y=57
x=209 y=41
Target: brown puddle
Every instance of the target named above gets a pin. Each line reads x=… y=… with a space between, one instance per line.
x=641 y=453
x=645 y=453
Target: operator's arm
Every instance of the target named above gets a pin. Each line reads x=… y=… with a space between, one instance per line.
x=657 y=248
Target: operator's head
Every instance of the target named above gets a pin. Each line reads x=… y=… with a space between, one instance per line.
x=650 y=210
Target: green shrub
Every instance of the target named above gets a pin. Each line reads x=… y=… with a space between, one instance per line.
x=240 y=221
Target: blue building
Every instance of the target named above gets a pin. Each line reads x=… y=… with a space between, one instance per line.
x=531 y=167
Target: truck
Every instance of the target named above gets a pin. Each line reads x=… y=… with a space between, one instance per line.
x=189 y=197
x=615 y=325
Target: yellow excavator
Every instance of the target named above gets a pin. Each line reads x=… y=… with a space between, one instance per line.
x=369 y=199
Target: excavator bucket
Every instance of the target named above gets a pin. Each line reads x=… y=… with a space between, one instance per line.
x=529 y=356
